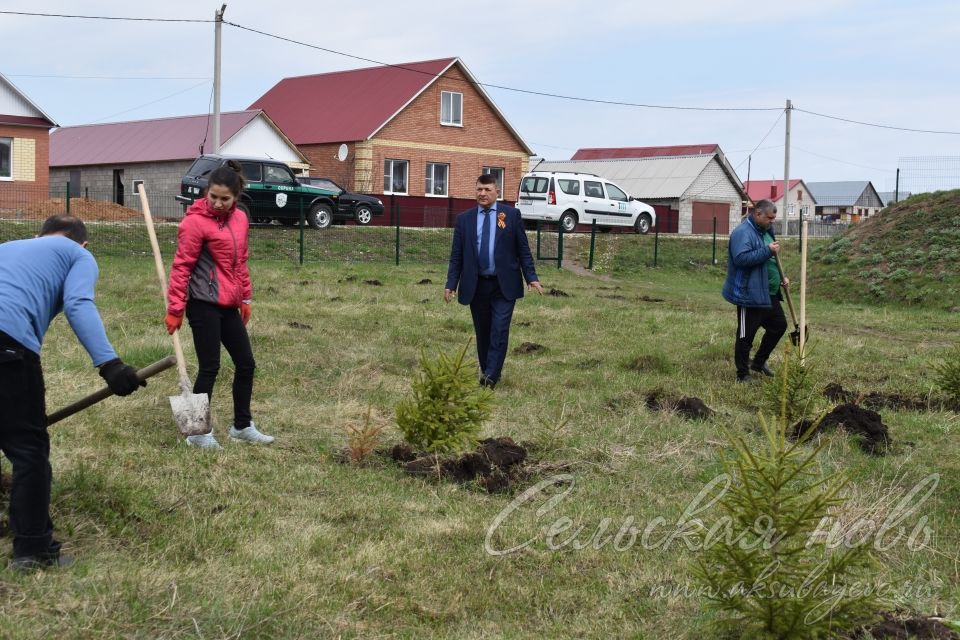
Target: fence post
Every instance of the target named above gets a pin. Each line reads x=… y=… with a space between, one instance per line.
x=593 y=241
x=68 y=197
x=656 y=245
x=714 y=259
x=560 y=246
x=302 y=224
x=396 y=217
x=538 y=239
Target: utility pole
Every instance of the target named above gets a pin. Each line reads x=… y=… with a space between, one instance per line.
x=217 y=22
x=896 y=189
x=786 y=171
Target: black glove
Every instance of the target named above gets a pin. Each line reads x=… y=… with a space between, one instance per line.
x=121 y=378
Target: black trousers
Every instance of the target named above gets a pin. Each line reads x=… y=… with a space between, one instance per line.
x=25 y=442
x=213 y=325
x=749 y=321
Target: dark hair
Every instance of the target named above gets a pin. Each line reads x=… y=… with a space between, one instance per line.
x=65 y=224
x=230 y=175
x=765 y=206
x=487 y=178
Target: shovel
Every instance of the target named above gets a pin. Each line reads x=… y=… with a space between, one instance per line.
x=795 y=334
x=103 y=394
x=190 y=410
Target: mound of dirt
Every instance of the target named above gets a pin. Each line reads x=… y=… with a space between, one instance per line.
x=908 y=253
x=692 y=408
x=87 y=210
x=494 y=465
x=896 y=627
x=876 y=400
x=872 y=434
x=528 y=347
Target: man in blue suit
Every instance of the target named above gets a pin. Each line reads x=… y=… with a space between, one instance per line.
x=489 y=253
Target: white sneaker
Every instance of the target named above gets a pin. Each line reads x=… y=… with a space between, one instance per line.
x=204 y=441
x=250 y=434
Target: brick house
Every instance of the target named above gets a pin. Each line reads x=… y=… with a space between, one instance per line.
x=689 y=186
x=24 y=147
x=419 y=129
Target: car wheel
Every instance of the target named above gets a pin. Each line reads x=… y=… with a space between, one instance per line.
x=320 y=216
x=568 y=221
x=643 y=223
x=363 y=214
x=242 y=206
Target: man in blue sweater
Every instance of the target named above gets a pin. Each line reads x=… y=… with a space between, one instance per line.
x=39 y=278
x=753 y=284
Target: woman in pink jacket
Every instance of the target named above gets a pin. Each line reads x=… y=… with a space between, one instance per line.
x=210 y=282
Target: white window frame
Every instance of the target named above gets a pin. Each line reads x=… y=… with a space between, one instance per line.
x=389 y=173
x=10 y=177
x=430 y=177
x=500 y=180
x=454 y=121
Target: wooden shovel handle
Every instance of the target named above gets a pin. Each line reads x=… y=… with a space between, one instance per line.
x=786 y=291
x=162 y=274
x=94 y=398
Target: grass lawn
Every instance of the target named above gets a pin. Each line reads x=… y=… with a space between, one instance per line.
x=287 y=542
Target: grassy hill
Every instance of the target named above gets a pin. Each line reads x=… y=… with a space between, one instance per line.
x=909 y=254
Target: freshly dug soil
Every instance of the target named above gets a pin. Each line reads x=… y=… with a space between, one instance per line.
x=299 y=325
x=426 y=281
x=907 y=628
x=87 y=210
x=876 y=400
x=647 y=298
x=495 y=465
x=558 y=293
x=692 y=408
x=872 y=434
x=528 y=347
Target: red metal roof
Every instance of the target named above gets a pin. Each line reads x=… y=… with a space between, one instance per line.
x=766 y=189
x=26 y=121
x=616 y=153
x=346 y=105
x=141 y=140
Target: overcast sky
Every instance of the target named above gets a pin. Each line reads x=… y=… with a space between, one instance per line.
x=886 y=62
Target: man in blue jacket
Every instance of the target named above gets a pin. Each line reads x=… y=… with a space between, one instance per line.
x=489 y=253
x=753 y=284
x=39 y=278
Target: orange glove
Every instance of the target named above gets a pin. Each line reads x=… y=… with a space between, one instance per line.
x=245 y=313
x=173 y=322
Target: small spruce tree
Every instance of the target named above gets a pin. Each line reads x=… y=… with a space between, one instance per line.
x=948 y=374
x=447 y=407
x=773 y=576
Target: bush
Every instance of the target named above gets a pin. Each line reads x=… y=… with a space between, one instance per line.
x=447 y=408
x=771 y=572
x=948 y=374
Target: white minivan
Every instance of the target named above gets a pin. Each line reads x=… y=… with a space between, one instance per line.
x=581 y=198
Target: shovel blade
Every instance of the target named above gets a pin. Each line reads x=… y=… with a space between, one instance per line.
x=192 y=413
x=795 y=337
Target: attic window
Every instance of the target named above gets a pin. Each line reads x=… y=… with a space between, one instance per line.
x=6 y=158
x=451 y=108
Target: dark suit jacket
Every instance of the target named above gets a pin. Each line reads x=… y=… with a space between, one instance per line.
x=511 y=255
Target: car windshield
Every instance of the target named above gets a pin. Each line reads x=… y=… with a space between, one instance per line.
x=326 y=183
x=203 y=166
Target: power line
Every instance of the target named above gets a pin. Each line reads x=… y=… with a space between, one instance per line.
x=852 y=164
x=65 y=15
x=28 y=75
x=879 y=126
x=504 y=88
x=147 y=104
x=737 y=166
